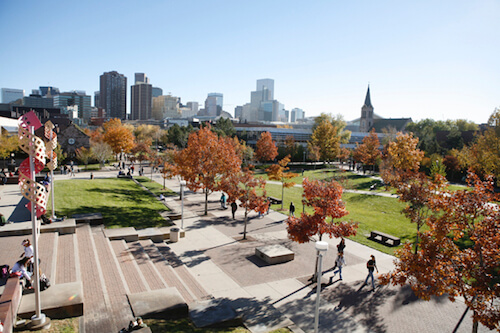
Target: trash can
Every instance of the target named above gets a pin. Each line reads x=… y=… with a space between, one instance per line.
x=175 y=234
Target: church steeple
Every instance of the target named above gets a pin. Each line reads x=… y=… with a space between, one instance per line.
x=366 y=121
x=368 y=101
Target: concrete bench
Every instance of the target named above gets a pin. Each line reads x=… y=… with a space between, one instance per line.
x=57 y=302
x=275 y=201
x=125 y=176
x=163 y=304
x=129 y=234
x=274 y=254
x=90 y=218
x=9 y=303
x=155 y=234
x=384 y=238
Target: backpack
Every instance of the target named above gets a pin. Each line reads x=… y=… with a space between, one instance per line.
x=44 y=282
x=4 y=271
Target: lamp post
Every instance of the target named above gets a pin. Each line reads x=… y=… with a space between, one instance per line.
x=182 y=183
x=321 y=247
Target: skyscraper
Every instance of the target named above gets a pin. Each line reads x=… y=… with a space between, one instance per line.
x=157 y=91
x=113 y=94
x=213 y=104
x=78 y=98
x=11 y=95
x=268 y=84
x=141 y=98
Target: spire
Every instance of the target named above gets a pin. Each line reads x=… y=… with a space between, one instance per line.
x=368 y=101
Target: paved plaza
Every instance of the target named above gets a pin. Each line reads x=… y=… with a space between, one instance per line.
x=213 y=262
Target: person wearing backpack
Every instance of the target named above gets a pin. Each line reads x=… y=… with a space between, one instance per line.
x=19 y=269
x=371 y=265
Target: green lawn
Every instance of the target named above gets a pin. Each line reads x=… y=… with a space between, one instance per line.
x=155 y=187
x=121 y=201
x=370 y=211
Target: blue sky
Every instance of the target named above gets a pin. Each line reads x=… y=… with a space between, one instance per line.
x=423 y=59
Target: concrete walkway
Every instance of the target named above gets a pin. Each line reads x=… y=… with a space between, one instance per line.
x=227 y=268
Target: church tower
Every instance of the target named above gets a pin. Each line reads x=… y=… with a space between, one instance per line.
x=366 y=121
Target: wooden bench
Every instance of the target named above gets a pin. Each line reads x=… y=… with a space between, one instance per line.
x=275 y=201
x=384 y=238
x=9 y=303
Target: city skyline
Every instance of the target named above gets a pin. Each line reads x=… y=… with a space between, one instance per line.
x=422 y=60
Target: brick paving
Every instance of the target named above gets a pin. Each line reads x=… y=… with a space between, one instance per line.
x=96 y=317
x=167 y=272
x=66 y=270
x=146 y=267
x=133 y=278
x=120 y=310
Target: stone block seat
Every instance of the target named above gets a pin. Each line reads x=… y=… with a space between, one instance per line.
x=57 y=302
x=90 y=218
x=162 y=304
x=25 y=228
x=129 y=234
x=155 y=234
x=274 y=254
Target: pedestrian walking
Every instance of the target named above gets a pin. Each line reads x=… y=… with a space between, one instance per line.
x=292 y=209
x=371 y=265
x=339 y=263
x=234 y=207
x=223 y=201
x=341 y=246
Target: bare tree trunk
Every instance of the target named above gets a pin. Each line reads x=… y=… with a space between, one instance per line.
x=475 y=325
x=282 y=194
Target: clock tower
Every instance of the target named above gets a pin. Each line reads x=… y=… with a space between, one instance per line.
x=366 y=121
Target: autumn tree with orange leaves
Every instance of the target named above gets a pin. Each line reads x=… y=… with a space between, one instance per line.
x=119 y=137
x=402 y=155
x=205 y=161
x=141 y=151
x=459 y=252
x=266 y=148
x=248 y=190
x=277 y=172
x=325 y=197
x=368 y=152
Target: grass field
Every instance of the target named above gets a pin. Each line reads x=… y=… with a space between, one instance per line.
x=121 y=202
x=370 y=211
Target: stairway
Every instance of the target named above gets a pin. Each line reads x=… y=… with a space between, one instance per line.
x=111 y=269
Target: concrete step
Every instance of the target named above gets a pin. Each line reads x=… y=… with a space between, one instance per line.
x=167 y=271
x=113 y=278
x=96 y=302
x=183 y=273
x=146 y=266
x=66 y=260
x=133 y=277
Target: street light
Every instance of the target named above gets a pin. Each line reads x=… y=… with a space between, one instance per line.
x=321 y=247
x=182 y=183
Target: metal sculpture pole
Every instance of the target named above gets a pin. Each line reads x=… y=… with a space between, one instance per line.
x=51 y=145
x=34 y=192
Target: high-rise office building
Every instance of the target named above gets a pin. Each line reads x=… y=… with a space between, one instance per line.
x=268 y=84
x=11 y=95
x=78 y=98
x=157 y=91
x=113 y=94
x=35 y=100
x=97 y=99
x=141 y=98
x=44 y=91
x=166 y=107
x=141 y=77
x=296 y=115
x=213 y=104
